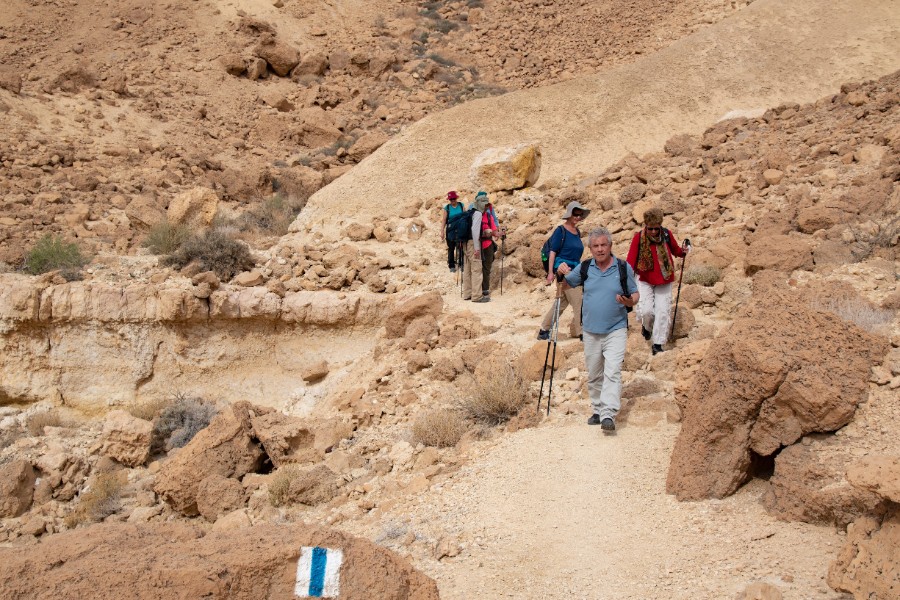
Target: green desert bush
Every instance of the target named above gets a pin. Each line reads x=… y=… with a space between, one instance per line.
x=51 y=253
x=440 y=428
x=213 y=250
x=166 y=238
x=496 y=397
x=180 y=421
x=705 y=275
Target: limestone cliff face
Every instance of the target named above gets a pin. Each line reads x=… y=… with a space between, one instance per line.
x=94 y=344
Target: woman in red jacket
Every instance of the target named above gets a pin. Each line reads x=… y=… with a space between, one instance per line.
x=651 y=257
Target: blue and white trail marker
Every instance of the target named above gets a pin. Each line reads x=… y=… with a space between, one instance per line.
x=318 y=573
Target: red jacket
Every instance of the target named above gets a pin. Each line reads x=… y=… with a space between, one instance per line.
x=655 y=276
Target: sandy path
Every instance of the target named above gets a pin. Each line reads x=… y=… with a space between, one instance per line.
x=769 y=53
x=562 y=511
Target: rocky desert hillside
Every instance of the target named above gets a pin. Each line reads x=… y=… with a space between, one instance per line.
x=328 y=387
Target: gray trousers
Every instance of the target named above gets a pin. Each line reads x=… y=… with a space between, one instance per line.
x=603 y=357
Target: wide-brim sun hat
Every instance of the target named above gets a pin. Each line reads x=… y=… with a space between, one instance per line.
x=572 y=206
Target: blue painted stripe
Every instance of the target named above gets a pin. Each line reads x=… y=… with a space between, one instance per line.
x=317 y=572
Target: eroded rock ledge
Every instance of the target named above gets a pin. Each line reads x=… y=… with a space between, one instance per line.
x=93 y=345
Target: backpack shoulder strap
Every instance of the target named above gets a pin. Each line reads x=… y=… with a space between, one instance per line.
x=623 y=275
x=585 y=269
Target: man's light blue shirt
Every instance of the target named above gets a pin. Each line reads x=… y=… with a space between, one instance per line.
x=601 y=314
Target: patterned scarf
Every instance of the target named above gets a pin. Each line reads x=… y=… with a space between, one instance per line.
x=645 y=255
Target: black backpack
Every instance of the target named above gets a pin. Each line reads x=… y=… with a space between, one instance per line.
x=623 y=280
x=459 y=227
x=545 y=249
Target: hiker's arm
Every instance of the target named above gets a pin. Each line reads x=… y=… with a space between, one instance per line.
x=550 y=260
x=633 y=251
x=631 y=300
x=676 y=248
x=443 y=223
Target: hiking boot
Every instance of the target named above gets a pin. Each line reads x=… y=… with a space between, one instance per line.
x=657 y=348
x=607 y=424
x=453 y=269
x=645 y=333
x=482 y=300
x=595 y=419
x=543 y=334
x=469 y=298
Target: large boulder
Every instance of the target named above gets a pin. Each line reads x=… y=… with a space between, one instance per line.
x=285 y=439
x=218 y=496
x=16 y=488
x=195 y=207
x=868 y=566
x=178 y=560
x=779 y=253
x=513 y=168
x=772 y=377
x=809 y=485
x=126 y=438
x=228 y=447
x=280 y=56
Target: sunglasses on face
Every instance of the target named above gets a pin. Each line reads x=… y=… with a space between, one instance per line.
x=654 y=228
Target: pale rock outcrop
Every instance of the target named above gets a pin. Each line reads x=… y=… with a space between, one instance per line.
x=409 y=309
x=126 y=438
x=195 y=208
x=879 y=475
x=151 y=560
x=510 y=168
x=16 y=488
x=225 y=448
x=760 y=590
x=771 y=378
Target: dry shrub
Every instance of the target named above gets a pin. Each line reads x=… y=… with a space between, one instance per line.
x=856 y=310
x=705 y=275
x=179 y=422
x=280 y=486
x=149 y=410
x=272 y=216
x=496 y=397
x=8 y=437
x=439 y=428
x=213 y=250
x=51 y=253
x=166 y=238
x=36 y=422
x=100 y=499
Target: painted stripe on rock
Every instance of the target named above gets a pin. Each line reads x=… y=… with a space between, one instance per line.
x=318 y=572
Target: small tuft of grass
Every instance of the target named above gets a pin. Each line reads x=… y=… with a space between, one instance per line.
x=180 y=421
x=214 y=250
x=705 y=275
x=280 y=486
x=440 y=428
x=149 y=410
x=100 y=499
x=274 y=216
x=166 y=238
x=51 y=253
x=36 y=422
x=496 y=397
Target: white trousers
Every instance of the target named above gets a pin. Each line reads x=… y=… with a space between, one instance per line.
x=603 y=357
x=654 y=309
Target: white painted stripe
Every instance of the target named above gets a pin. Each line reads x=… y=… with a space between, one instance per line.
x=332 y=588
x=304 y=565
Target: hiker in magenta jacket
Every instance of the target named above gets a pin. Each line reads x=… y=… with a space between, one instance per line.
x=651 y=256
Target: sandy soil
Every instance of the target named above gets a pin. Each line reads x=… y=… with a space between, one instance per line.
x=586 y=124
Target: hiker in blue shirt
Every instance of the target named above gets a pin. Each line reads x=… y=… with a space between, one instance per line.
x=455 y=207
x=565 y=246
x=604 y=324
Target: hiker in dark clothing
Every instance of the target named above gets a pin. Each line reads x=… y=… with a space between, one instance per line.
x=453 y=208
x=566 y=247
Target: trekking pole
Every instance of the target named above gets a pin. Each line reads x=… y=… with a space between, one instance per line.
x=678 y=296
x=551 y=340
x=502 y=248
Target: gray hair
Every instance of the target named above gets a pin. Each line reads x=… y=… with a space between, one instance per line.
x=599 y=232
